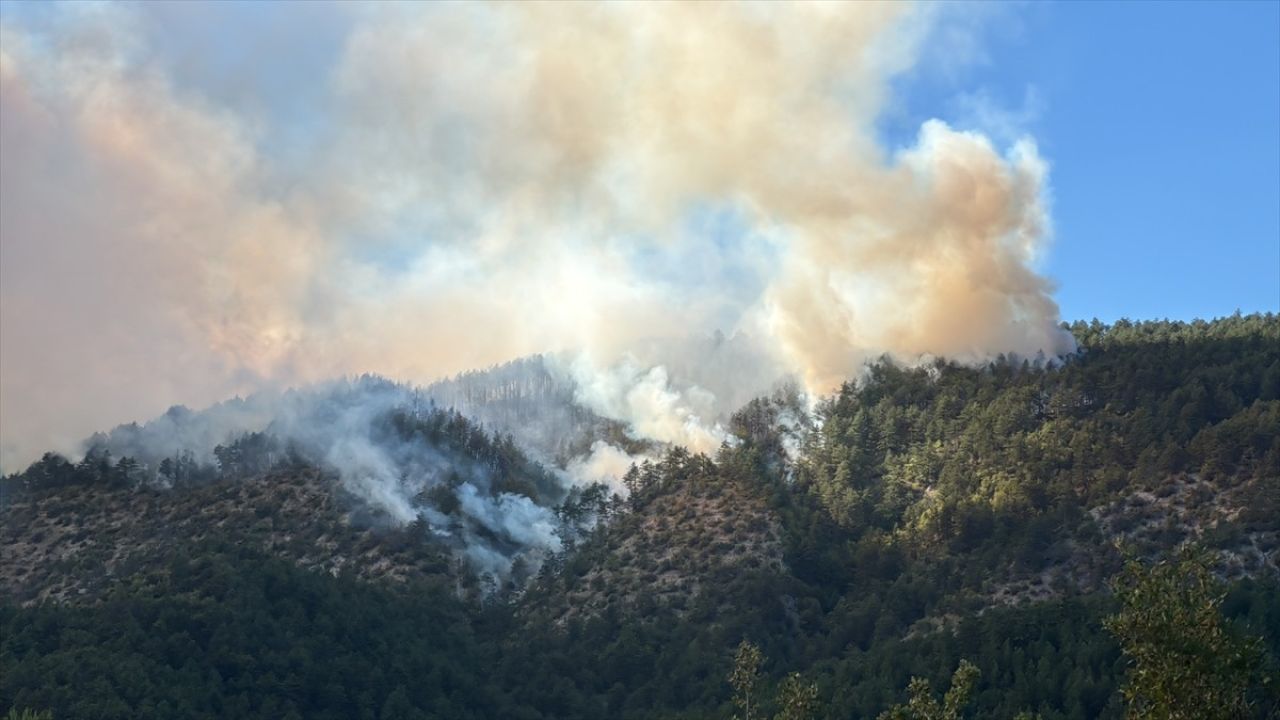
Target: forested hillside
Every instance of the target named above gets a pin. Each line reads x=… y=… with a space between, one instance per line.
x=923 y=516
x=417 y=492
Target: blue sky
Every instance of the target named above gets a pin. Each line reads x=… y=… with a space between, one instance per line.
x=1161 y=122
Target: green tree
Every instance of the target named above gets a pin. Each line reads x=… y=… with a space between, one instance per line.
x=1185 y=661
x=745 y=676
x=923 y=706
x=398 y=707
x=797 y=699
x=14 y=714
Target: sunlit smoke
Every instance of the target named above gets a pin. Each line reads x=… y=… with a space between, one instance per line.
x=476 y=183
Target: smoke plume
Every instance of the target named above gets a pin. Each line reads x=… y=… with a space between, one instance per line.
x=462 y=184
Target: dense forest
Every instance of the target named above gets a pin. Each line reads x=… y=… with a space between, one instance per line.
x=1045 y=538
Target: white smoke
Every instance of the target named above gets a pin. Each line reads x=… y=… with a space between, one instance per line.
x=354 y=429
x=606 y=464
x=371 y=475
x=514 y=516
x=645 y=396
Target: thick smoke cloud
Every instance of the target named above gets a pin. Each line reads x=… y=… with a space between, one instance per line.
x=473 y=183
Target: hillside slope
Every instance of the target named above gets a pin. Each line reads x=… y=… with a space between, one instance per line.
x=926 y=515
x=688 y=534
x=405 y=495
